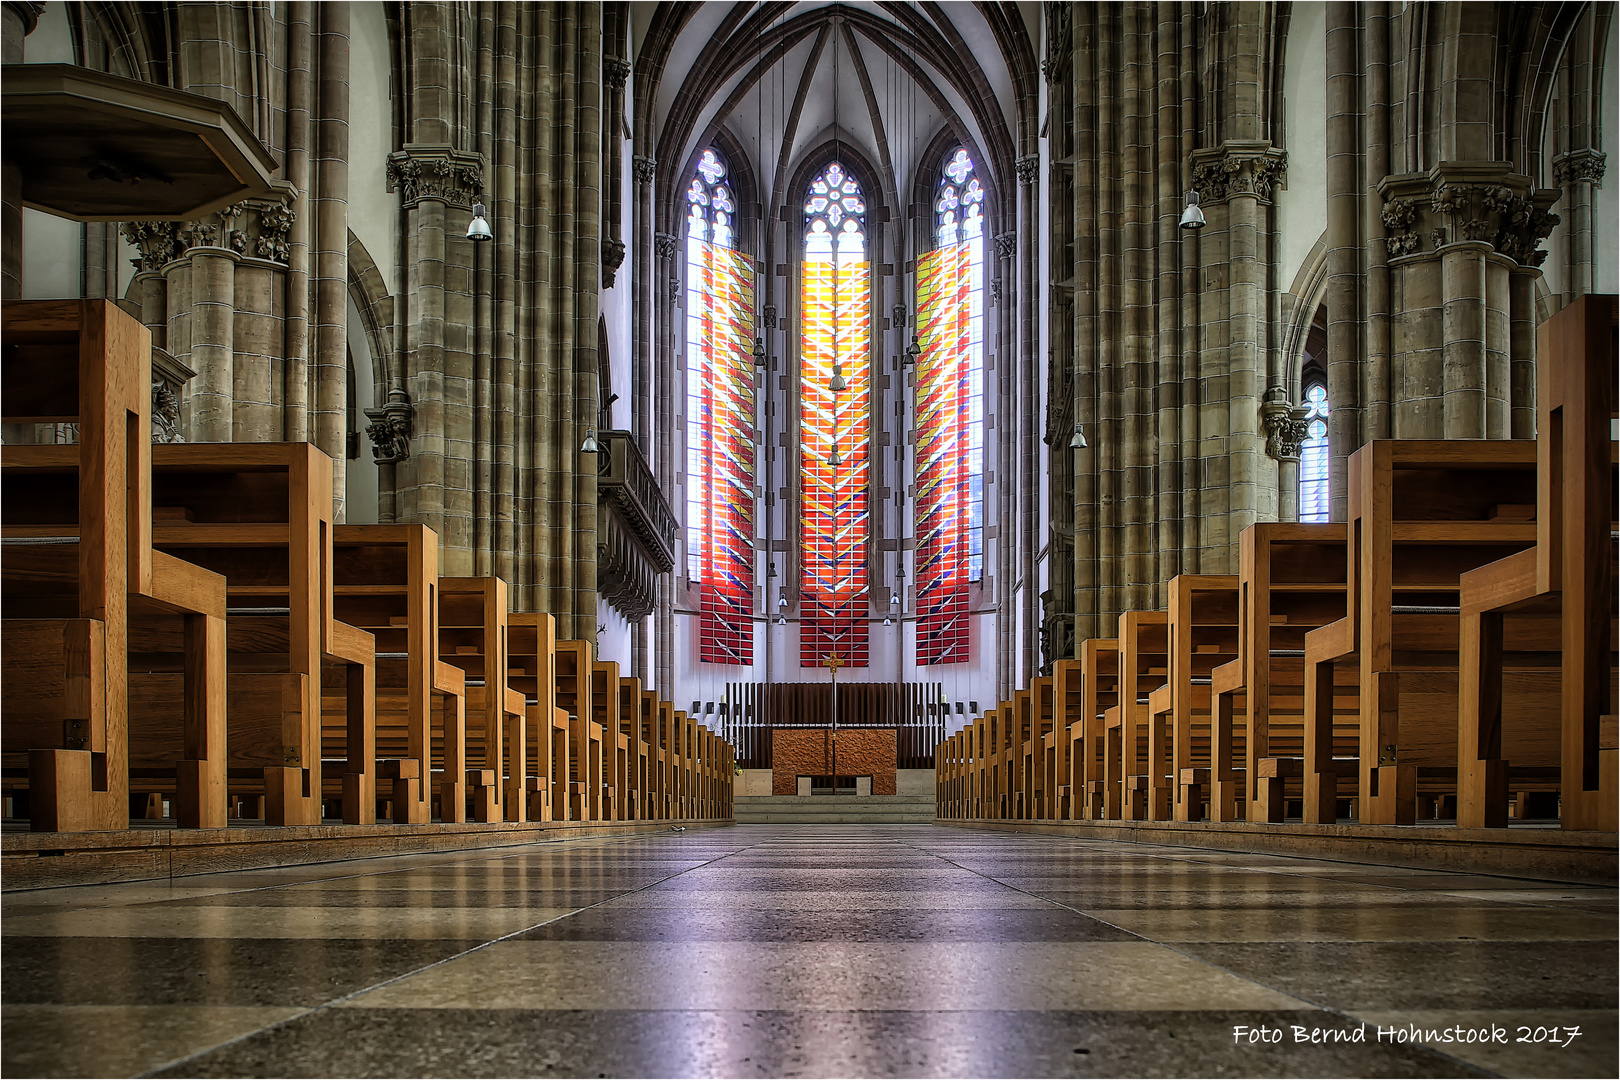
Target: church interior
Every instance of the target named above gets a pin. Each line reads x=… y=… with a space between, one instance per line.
x=776 y=538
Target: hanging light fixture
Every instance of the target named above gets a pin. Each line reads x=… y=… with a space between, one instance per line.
x=781 y=610
x=478 y=228
x=1192 y=217
x=590 y=445
x=838 y=385
x=1078 y=440
x=913 y=351
x=835 y=458
x=759 y=351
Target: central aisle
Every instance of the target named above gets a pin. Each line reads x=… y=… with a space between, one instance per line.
x=808 y=950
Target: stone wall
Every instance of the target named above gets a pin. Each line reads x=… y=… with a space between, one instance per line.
x=797 y=752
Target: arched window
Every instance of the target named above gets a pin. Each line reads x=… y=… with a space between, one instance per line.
x=719 y=418
x=1313 y=456
x=950 y=415
x=834 y=423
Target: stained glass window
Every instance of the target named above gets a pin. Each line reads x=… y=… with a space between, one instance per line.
x=835 y=396
x=719 y=419
x=1313 y=457
x=950 y=416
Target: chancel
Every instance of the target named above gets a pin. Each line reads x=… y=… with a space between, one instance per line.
x=833 y=539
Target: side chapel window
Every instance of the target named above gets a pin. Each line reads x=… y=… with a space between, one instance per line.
x=950 y=415
x=1313 y=456
x=719 y=418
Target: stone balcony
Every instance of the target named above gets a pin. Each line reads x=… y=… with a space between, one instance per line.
x=635 y=530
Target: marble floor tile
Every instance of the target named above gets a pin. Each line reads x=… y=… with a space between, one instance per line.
x=1501 y=922
x=774 y=1043
x=920 y=976
x=50 y=1040
x=808 y=951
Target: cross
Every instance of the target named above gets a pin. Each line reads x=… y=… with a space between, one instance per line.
x=832 y=663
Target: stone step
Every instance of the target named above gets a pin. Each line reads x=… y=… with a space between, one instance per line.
x=833 y=809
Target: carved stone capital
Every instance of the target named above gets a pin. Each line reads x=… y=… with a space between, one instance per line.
x=1578 y=165
x=1006 y=245
x=612 y=259
x=645 y=168
x=769 y=317
x=1029 y=169
x=1238 y=167
x=1456 y=202
x=454 y=177
x=664 y=245
x=995 y=290
x=260 y=227
x=614 y=73
x=391 y=428
x=157 y=241
x=1285 y=425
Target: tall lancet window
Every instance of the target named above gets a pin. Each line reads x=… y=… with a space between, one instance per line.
x=719 y=418
x=950 y=416
x=834 y=422
x=1313 y=456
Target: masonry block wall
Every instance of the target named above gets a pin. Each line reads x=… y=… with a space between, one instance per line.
x=809 y=752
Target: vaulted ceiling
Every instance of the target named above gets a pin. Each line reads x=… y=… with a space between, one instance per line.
x=783 y=79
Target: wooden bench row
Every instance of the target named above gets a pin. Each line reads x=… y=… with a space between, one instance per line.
x=1450 y=648
x=186 y=626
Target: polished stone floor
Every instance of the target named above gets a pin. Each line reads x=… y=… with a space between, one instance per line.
x=811 y=951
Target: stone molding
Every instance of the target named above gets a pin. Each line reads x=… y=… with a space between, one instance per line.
x=645 y=168
x=769 y=317
x=1238 y=167
x=454 y=177
x=1286 y=429
x=1577 y=165
x=1458 y=202
x=1058 y=41
x=168 y=376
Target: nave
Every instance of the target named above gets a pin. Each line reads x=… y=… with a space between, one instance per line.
x=806 y=950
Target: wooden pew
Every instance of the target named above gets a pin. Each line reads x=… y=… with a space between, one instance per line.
x=1024 y=746
x=83 y=585
x=532 y=645
x=385 y=581
x=607 y=776
x=584 y=762
x=1054 y=804
x=1203 y=636
x=633 y=798
x=1095 y=771
x=260 y=515
x=1421 y=515
x=1291 y=581
x=1568 y=576
x=1144 y=756
x=474 y=637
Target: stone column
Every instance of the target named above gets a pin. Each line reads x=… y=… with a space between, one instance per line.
x=1344 y=298
x=211 y=350
x=331 y=235
x=1240 y=174
x=1285 y=431
x=436 y=183
x=258 y=234
x=1457 y=237
x=1578 y=173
